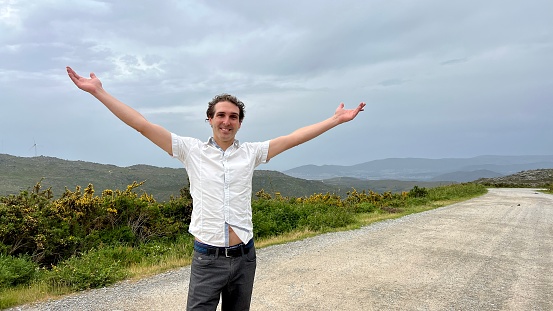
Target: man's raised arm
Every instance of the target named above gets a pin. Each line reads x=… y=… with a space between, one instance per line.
x=283 y=143
x=157 y=134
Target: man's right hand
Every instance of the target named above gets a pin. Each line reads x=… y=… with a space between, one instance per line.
x=91 y=85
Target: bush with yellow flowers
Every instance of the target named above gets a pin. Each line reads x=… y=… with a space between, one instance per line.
x=50 y=230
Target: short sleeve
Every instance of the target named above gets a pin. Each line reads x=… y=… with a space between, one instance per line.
x=181 y=146
x=261 y=151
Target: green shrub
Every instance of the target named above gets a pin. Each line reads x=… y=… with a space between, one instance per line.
x=95 y=268
x=16 y=271
x=364 y=207
x=452 y=192
x=52 y=230
x=21 y=220
x=321 y=218
x=417 y=192
x=274 y=217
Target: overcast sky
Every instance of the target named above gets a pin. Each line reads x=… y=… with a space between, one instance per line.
x=440 y=78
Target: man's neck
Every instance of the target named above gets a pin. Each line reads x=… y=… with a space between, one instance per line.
x=223 y=146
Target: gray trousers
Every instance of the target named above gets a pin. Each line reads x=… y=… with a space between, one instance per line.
x=213 y=277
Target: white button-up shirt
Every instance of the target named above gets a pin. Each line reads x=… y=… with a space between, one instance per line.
x=220 y=185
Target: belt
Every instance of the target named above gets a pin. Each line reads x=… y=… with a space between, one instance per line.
x=232 y=251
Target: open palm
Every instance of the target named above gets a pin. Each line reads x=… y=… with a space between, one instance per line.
x=345 y=115
x=89 y=85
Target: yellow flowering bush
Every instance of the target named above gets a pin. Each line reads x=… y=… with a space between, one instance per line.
x=51 y=230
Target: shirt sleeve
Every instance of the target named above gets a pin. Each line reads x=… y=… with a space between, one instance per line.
x=181 y=146
x=263 y=152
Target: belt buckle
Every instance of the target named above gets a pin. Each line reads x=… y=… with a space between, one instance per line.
x=226 y=253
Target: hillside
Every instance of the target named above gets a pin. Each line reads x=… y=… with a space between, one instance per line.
x=21 y=173
x=419 y=169
x=531 y=178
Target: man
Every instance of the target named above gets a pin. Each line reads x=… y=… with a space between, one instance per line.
x=220 y=173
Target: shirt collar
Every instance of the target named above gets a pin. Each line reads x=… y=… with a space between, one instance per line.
x=211 y=141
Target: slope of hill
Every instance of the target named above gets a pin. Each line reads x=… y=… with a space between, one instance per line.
x=530 y=178
x=426 y=169
x=20 y=173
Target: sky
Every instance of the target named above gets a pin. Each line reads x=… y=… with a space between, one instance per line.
x=441 y=79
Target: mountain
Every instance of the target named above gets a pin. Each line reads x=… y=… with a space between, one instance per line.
x=420 y=169
x=22 y=173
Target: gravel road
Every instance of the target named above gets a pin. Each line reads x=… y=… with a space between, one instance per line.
x=494 y=252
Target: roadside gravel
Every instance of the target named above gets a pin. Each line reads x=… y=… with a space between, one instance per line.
x=494 y=252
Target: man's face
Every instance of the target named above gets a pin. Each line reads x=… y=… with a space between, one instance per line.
x=225 y=123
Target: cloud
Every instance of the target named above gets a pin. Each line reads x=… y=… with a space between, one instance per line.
x=434 y=74
x=454 y=61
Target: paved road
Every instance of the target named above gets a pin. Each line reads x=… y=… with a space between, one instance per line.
x=494 y=252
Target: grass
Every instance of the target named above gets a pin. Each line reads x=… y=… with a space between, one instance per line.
x=152 y=259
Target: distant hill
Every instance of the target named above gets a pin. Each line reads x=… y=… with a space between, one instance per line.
x=22 y=173
x=468 y=176
x=531 y=178
x=419 y=169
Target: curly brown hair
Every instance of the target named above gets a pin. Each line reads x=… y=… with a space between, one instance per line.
x=225 y=98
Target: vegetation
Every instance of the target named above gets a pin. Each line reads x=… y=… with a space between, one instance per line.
x=18 y=173
x=540 y=178
x=549 y=188
x=53 y=246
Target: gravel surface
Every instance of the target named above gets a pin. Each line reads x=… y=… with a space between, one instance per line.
x=494 y=252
